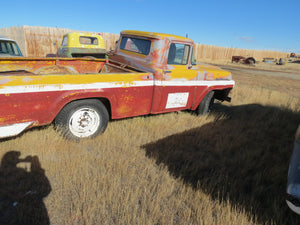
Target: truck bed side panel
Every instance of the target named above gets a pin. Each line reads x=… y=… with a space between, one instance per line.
x=40 y=98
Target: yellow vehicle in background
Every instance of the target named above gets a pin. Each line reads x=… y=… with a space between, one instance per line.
x=82 y=44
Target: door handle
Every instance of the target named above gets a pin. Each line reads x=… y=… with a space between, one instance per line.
x=167 y=71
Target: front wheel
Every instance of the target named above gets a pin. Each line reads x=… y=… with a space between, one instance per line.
x=82 y=119
x=206 y=104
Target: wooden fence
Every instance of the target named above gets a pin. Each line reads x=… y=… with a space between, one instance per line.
x=223 y=53
x=38 y=41
x=16 y=33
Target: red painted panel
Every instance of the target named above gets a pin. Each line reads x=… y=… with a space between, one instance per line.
x=44 y=106
x=166 y=90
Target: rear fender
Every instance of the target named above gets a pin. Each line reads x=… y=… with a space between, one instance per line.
x=67 y=98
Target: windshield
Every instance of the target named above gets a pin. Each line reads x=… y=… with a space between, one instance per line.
x=9 y=48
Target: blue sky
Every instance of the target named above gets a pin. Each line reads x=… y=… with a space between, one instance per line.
x=250 y=24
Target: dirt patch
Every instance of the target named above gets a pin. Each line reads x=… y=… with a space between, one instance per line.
x=284 y=82
x=260 y=71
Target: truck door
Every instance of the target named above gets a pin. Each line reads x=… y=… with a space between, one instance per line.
x=178 y=80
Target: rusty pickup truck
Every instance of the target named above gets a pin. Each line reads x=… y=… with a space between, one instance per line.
x=146 y=73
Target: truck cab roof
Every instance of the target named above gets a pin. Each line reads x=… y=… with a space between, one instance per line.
x=6 y=39
x=155 y=35
x=83 y=40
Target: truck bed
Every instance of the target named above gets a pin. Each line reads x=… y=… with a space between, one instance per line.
x=52 y=65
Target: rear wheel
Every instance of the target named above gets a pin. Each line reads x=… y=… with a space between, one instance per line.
x=82 y=119
x=206 y=104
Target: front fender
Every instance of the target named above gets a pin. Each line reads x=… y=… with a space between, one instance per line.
x=221 y=88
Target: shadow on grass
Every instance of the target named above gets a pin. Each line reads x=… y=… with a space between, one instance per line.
x=243 y=156
x=296 y=61
x=22 y=191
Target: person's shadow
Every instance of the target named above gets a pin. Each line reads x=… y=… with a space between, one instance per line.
x=22 y=191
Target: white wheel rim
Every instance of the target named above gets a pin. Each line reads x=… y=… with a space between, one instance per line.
x=84 y=122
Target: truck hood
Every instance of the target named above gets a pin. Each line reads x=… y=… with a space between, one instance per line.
x=210 y=72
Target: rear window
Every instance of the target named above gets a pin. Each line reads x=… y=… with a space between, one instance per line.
x=88 y=40
x=137 y=45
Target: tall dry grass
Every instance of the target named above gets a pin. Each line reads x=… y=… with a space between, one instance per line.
x=226 y=168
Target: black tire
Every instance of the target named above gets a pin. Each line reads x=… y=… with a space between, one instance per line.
x=82 y=119
x=250 y=60
x=206 y=104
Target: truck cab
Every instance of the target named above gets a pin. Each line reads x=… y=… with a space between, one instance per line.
x=82 y=44
x=179 y=81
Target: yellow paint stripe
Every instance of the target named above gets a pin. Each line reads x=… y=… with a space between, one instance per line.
x=70 y=79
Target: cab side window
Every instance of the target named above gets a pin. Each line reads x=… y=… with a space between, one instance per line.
x=64 y=41
x=178 y=54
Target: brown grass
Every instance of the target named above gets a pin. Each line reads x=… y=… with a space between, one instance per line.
x=226 y=168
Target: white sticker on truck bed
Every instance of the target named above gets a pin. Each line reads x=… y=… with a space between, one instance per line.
x=177 y=100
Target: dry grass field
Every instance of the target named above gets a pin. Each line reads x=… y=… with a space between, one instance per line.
x=226 y=168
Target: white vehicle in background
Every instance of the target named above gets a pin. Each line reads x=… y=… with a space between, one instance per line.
x=293 y=185
x=9 y=48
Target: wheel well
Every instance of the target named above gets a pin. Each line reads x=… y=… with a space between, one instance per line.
x=107 y=105
x=105 y=102
x=222 y=95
